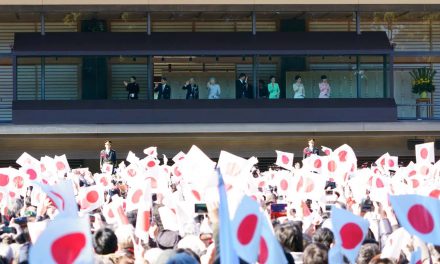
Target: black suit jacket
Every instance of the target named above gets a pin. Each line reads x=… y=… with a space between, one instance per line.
x=190 y=92
x=107 y=158
x=307 y=152
x=241 y=91
x=164 y=93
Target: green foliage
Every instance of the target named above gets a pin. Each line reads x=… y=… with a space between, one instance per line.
x=423 y=80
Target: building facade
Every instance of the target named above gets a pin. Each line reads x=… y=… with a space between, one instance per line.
x=412 y=29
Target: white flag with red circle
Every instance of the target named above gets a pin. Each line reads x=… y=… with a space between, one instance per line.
x=149 y=163
x=270 y=250
x=425 y=153
x=196 y=167
x=151 y=151
x=114 y=212
x=136 y=195
x=131 y=173
x=381 y=162
x=103 y=180
x=349 y=231
x=392 y=163
x=284 y=182
x=17 y=182
x=26 y=159
x=31 y=172
x=5 y=177
x=308 y=185
x=314 y=163
x=246 y=230
x=61 y=164
x=91 y=198
x=419 y=215
x=284 y=159
x=179 y=157
x=66 y=240
x=394 y=244
x=62 y=196
x=327 y=151
x=107 y=168
x=168 y=218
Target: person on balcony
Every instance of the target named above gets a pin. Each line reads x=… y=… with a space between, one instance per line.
x=192 y=89
x=262 y=89
x=163 y=90
x=298 y=88
x=213 y=89
x=132 y=88
x=324 y=87
x=274 y=88
x=242 y=89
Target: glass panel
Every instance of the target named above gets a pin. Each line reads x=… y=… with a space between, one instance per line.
x=371 y=76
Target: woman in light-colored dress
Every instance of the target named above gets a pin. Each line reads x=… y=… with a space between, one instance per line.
x=298 y=88
x=324 y=87
x=213 y=89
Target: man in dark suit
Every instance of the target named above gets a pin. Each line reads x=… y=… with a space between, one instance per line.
x=192 y=89
x=107 y=156
x=311 y=149
x=163 y=90
x=242 y=89
x=132 y=88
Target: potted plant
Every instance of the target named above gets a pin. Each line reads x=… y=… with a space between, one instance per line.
x=423 y=81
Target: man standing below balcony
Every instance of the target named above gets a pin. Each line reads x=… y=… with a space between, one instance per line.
x=163 y=90
x=311 y=149
x=192 y=89
x=132 y=88
x=107 y=155
x=242 y=89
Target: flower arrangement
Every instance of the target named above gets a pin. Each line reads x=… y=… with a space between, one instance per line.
x=423 y=80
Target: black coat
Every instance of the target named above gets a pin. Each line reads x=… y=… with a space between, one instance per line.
x=132 y=88
x=107 y=158
x=242 y=90
x=192 y=92
x=307 y=152
x=164 y=93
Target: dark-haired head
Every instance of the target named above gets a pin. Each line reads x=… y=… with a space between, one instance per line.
x=323 y=77
x=297 y=77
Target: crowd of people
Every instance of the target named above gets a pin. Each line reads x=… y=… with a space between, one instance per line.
x=242 y=88
x=151 y=210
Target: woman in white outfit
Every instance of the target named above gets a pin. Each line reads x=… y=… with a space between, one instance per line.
x=213 y=89
x=298 y=88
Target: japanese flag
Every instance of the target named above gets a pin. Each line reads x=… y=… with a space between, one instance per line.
x=381 y=162
x=425 y=153
x=103 y=180
x=151 y=151
x=270 y=250
x=131 y=157
x=114 y=212
x=26 y=159
x=62 y=196
x=136 y=195
x=283 y=181
x=149 y=163
x=4 y=198
x=17 y=182
x=197 y=167
x=327 y=151
x=314 y=163
x=168 y=218
x=66 y=240
x=309 y=185
x=349 y=231
x=91 y=198
x=131 y=173
x=144 y=215
x=284 y=159
x=246 y=230
x=31 y=172
x=107 y=168
x=233 y=167
x=416 y=257
x=193 y=194
x=61 y=164
x=179 y=157
x=5 y=177
x=419 y=215
x=392 y=163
